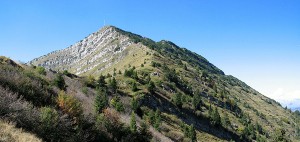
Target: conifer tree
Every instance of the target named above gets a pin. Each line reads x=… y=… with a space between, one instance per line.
x=101 y=81
x=113 y=85
x=135 y=76
x=157 y=119
x=177 y=99
x=192 y=133
x=101 y=101
x=134 y=87
x=133 y=126
x=134 y=104
x=151 y=87
x=216 y=117
x=151 y=117
x=196 y=99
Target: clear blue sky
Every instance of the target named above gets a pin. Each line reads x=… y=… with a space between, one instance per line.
x=257 y=41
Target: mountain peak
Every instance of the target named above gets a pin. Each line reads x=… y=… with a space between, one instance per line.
x=105 y=48
x=94 y=53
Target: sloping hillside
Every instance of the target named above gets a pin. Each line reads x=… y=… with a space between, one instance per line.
x=8 y=133
x=129 y=86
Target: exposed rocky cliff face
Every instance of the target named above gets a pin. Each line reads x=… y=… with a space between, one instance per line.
x=100 y=49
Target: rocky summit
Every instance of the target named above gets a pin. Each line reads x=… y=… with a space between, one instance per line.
x=93 y=54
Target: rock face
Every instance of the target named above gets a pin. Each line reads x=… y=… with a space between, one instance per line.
x=92 y=54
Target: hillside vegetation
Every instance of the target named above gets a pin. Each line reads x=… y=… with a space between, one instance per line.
x=142 y=91
x=8 y=133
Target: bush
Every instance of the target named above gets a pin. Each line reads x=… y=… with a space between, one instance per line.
x=69 y=105
x=49 y=119
x=67 y=73
x=59 y=81
x=90 y=81
x=155 y=64
x=41 y=70
x=117 y=104
x=109 y=122
x=84 y=90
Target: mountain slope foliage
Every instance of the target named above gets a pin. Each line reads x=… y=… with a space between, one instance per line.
x=118 y=86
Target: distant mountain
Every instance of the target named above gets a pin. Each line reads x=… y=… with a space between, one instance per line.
x=131 y=88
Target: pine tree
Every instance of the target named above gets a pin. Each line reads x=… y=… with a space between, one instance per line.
x=157 y=119
x=196 y=100
x=226 y=121
x=192 y=133
x=133 y=126
x=135 y=76
x=151 y=87
x=216 y=117
x=113 y=85
x=151 y=117
x=101 y=101
x=134 y=104
x=101 y=81
x=134 y=87
x=148 y=79
x=177 y=99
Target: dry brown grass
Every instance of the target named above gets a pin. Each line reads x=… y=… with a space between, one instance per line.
x=9 y=133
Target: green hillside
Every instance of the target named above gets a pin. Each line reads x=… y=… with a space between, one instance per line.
x=148 y=91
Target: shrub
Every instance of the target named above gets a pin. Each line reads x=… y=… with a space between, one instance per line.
x=90 y=81
x=117 y=104
x=41 y=70
x=49 y=119
x=59 y=81
x=67 y=73
x=84 y=90
x=109 y=122
x=155 y=64
x=69 y=105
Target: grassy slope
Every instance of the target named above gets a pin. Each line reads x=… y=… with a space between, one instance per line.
x=249 y=101
x=8 y=133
